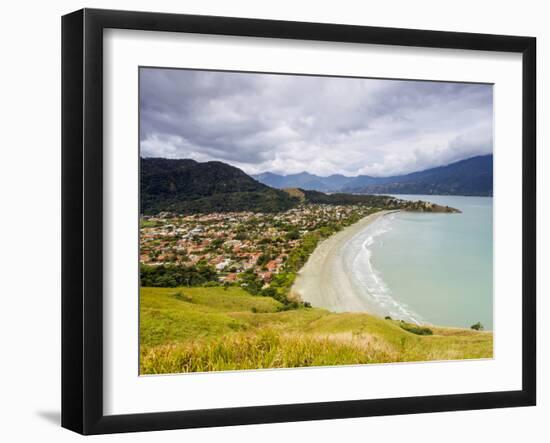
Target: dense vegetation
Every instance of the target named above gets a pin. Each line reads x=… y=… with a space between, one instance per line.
x=171 y=276
x=187 y=186
x=215 y=328
x=473 y=176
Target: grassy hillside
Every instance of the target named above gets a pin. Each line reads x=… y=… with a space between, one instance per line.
x=212 y=329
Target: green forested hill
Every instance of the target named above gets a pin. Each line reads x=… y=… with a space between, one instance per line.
x=187 y=186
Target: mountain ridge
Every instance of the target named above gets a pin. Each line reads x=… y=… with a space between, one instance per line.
x=471 y=176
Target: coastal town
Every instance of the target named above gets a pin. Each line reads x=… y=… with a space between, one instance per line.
x=233 y=243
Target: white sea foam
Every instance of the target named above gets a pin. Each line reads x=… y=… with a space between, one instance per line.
x=366 y=280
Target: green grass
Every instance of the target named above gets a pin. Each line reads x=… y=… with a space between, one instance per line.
x=213 y=329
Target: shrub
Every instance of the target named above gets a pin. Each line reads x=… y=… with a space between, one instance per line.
x=414 y=329
x=477 y=327
x=387 y=317
x=288 y=306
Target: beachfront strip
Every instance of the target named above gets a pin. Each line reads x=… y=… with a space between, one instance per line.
x=233 y=243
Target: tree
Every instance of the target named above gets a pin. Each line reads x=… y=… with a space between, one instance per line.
x=292 y=235
x=251 y=285
x=170 y=276
x=263 y=259
x=270 y=292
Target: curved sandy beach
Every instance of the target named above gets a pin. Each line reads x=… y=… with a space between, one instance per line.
x=323 y=281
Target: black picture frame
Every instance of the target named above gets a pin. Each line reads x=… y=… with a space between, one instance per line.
x=82 y=218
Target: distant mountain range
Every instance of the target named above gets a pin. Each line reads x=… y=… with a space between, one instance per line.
x=187 y=186
x=473 y=176
x=305 y=180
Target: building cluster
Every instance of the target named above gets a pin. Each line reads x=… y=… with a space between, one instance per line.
x=235 y=242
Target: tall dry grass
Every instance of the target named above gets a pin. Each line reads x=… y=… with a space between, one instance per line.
x=212 y=329
x=263 y=349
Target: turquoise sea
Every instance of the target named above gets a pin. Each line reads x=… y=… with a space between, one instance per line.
x=430 y=268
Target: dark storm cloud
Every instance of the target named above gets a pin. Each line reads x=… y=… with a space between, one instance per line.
x=322 y=125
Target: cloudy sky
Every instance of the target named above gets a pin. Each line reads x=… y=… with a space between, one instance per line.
x=322 y=125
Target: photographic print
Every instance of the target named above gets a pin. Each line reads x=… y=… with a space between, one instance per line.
x=292 y=221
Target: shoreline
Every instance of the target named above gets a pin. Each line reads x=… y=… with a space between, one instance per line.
x=323 y=280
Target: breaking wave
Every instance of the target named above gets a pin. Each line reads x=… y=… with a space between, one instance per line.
x=366 y=280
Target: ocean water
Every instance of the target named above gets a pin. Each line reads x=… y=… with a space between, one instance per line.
x=429 y=268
